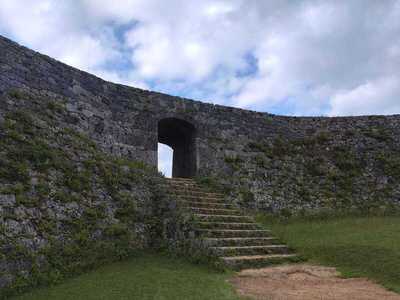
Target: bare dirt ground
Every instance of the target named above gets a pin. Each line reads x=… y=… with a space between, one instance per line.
x=294 y=282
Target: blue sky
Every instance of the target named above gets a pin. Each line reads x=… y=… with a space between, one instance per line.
x=284 y=57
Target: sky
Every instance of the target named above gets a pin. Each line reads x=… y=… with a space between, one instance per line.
x=293 y=57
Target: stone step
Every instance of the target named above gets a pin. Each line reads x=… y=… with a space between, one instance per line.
x=199 y=204
x=179 y=186
x=182 y=182
x=250 y=250
x=234 y=237
x=184 y=187
x=230 y=233
x=180 y=179
x=203 y=199
x=189 y=191
x=228 y=225
x=196 y=194
x=224 y=218
x=241 y=241
x=254 y=261
x=174 y=179
x=215 y=211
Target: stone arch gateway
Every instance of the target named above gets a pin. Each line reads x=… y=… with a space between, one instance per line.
x=180 y=135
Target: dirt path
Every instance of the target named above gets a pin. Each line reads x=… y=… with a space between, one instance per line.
x=294 y=282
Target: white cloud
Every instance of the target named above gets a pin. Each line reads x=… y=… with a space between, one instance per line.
x=319 y=50
x=292 y=57
x=379 y=96
x=119 y=12
x=190 y=44
x=129 y=79
x=30 y=21
x=57 y=29
x=82 y=51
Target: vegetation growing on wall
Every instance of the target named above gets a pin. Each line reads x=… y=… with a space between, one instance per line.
x=321 y=171
x=66 y=206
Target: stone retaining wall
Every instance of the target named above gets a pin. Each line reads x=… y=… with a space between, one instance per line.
x=274 y=162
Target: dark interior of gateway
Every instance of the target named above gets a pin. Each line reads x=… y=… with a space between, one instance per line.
x=180 y=136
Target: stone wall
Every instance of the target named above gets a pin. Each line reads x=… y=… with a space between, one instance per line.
x=63 y=186
x=65 y=205
x=277 y=162
x=329 y=164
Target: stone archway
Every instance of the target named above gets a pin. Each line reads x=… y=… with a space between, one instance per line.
x=180 y=135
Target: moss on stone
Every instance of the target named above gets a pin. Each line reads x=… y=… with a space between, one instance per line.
x=42 y=164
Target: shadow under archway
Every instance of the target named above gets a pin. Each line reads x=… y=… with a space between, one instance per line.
x=180 y=136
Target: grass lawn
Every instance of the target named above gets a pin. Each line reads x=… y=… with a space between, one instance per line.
x=147 y=276
x=357 y=247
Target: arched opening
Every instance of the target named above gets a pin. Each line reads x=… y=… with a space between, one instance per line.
x=180 y=135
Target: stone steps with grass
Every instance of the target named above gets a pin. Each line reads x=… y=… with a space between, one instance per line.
x=200 y=199
x=217 y=211
x=224 y=218
x=254 y=261
x=250 y=250
x=202 y=204
x=234 y=237
x=237 y=242
x=223 y=233
x=228 y=225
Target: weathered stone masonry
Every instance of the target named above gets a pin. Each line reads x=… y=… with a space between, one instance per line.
x=270 y=159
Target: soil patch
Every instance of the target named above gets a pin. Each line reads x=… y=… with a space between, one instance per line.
x=294 y=282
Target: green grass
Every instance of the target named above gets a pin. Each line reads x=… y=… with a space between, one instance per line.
x=147 y=276
x=357 y=247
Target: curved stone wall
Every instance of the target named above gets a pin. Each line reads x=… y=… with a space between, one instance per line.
x=270 y=162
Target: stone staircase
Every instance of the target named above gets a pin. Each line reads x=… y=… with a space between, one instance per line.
x=230 y=235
